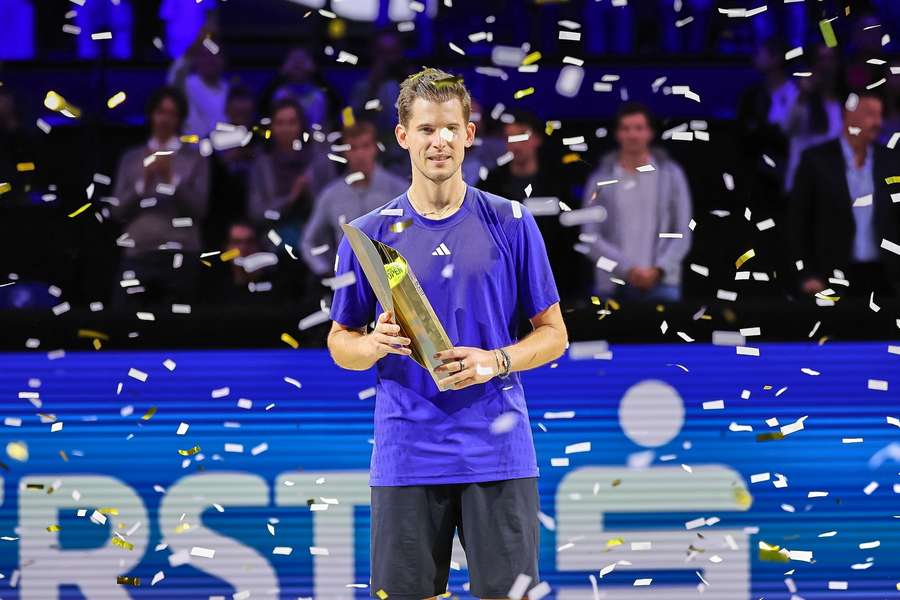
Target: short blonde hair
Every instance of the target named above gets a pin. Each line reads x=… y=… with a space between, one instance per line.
x=433 y=85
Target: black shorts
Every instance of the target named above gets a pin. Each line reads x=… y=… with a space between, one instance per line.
x=412 y=536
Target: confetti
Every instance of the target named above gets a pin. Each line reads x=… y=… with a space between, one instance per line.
x=524 y=92
x=115 y=100
x=828 y=33
x=132 y=581
x=203 y=552
x=189 y=451
x=744 y=258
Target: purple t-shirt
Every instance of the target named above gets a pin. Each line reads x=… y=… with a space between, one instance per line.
x=482 y=268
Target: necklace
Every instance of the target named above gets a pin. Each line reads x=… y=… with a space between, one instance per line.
x=439 y=212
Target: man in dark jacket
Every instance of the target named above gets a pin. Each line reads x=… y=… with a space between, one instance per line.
x=843 y=217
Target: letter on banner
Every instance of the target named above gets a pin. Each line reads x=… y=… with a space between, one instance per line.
x=333 y=526
x=240 y=566
x=45 y=566
x=709 y=491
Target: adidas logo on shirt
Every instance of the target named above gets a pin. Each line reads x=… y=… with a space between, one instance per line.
x=441 y=250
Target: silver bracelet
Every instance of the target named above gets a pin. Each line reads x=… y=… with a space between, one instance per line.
x=507 y=364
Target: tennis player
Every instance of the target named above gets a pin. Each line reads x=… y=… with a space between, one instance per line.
x=460 y=459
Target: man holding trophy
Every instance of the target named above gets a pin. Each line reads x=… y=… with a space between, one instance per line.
x=450 y=271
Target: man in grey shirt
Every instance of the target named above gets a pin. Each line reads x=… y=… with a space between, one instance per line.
x=638 y=248
x=365 y=186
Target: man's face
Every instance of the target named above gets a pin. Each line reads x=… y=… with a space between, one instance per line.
x=526 y=150
x=243 y=239
x=362 y=153
x=164 y=119
x=432 y=155
x=634 y=133
x=867 y=117
x=286 y=126
x=241 y=111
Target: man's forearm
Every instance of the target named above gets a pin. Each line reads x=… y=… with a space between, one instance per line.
x=543 y=344
x=350 y=350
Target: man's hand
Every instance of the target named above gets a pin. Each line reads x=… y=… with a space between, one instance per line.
x=479 y=366
x=644 y=278
x=813 y=285
x=386 y=338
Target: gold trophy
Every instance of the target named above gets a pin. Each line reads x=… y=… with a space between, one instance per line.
x=398 y=290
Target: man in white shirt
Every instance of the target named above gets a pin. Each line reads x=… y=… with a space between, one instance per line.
x=365 y=187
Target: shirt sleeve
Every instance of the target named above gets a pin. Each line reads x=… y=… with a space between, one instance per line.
x=353 y=305
x=534 y=277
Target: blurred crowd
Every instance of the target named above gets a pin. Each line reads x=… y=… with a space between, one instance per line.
x=237 y=195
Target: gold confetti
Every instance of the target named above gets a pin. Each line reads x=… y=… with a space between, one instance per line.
x=96 y=344
x=108 y=510
x=614 y=542
x=531 y=58
x=150 y=412
x=24 y=166
x=595 y=300
x=80 y=210
x=744 y=258
x=4 y=187
x=522 y=93
x=54 y=528
x=383 y=594
x=122 y=543
x=891 y=180
x=62 y=453
x=828 y=33
x=230 y=254
x=206 y=262
x=570 y=158
x=182 y=527
x=117 y=99
x=34 y=486
x=132 y=581
x=772 y=553
x=189 y=451
x=91 y=333
x=743 y=498
x=616 y=482
x=17 y=451
x=401 y=226
x=192 y=138
x=610 y=303
x=290 y=341
x=769 y=437
x=447 y=81
x=347 y=117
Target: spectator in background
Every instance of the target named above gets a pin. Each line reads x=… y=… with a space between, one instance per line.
x=841 y=208
x=389 y=68
x=340 y=202
x=285 y=180
x=891 y=95
x=15 y=148
x=686 y=25
x=763 y=113
x=298 y=79
x=815 y=116
x=532 y=177
x=206 y=90
x=95 y=16
x=161 y=189
x=632 y=261
x=485 y=151
x=235 y=151
x=251 y=278
x=183 y=21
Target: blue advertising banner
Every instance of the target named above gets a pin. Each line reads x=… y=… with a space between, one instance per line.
x=667 y=471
